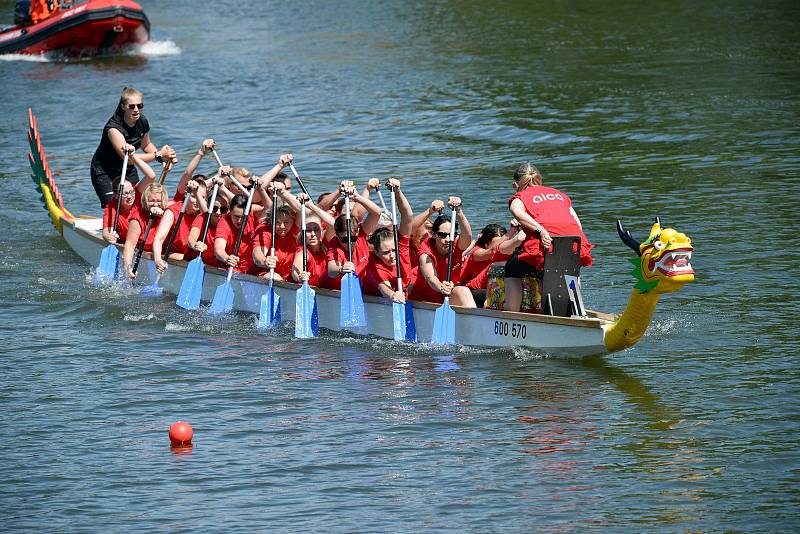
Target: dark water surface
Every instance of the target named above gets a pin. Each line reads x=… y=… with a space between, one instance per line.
x=685 y=111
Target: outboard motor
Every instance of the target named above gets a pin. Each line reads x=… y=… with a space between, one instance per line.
x=22 y=12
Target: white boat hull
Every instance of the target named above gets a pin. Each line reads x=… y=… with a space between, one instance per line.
x=556 y=336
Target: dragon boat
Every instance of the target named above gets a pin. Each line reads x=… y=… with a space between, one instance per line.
x=96 y=27
x=661 y=266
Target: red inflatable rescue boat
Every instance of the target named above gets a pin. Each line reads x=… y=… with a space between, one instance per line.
x=96 y=27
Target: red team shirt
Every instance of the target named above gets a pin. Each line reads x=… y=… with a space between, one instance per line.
x=316 y=265
x=422 y=290
x=550 y=207
x=285 y=247
x=225 y=230
x=378 y=272
x=482 y=280
x=139 y=215
x=208 y=256
x=338 y=251
x=181 y=243
x=472 y=268
x=122 y=225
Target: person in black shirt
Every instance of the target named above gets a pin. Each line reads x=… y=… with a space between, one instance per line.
x=126 y=128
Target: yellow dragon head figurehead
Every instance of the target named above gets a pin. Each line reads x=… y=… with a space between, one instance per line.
x=663 y=263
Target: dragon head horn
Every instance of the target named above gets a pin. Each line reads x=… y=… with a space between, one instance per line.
x=627 y=238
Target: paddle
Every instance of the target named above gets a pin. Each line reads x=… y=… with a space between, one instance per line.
x=269 y=312
x=154 y=290
x=402 y=314
x=109 y=258
x=223 y=296
x=138 y=256
x=192 y=285
x=351 y=307
x=306 y=324
x=444 y=321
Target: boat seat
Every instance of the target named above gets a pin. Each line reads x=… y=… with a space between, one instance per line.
x=563 y=258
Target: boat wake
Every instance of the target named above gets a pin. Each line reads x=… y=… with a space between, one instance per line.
x=155 y=49
x=147 y=50
x=38 y=58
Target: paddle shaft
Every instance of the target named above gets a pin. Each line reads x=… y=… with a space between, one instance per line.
x=452 y=238
x=303 y=214
x=245 y=216
x=272 y=240
x=121 y=190
x=396 y=241
x=210 y=213
x=165 y=171
x=383 y=204
x=140 y=249
x=347 y=221
x=213 y=151
x=303 y=234
x=299 y=181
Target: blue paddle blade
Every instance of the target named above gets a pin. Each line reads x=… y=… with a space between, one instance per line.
x=399 y=321
x=444 y=325
x=269 y=312
x=351 y=308
x=223 y=299
x=305 y=323
x=153 y=290
x=192 y=285
x=107 y=268
x=411 y=326
x=405 y=329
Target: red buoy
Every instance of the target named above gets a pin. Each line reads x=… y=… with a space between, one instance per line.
x=180 y=433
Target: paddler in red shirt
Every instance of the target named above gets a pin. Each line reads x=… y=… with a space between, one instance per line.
x=218 y=210
x=510 y=241
x=337 y=251
x=131 y=196
x=195 y=184
x=286 y=232
x=431 y=284
x=319 y=232
x=381 y=273
x=480 y=255
x=543 y=212
x=316 y=272
x=180 y=244
x=154 y=203
x=227 y=233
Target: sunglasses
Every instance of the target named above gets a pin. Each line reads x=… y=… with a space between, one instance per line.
x=315 y=230
x=443 y=235
x=135 y=106
x=129 y=193
x=222 y=210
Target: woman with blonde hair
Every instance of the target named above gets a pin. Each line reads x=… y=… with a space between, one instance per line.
x=154 y=203
x=542 y=212
x=126 y=127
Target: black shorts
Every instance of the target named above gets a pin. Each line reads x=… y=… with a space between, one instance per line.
x=516 y=268
x=103 y=183
x=479 y=295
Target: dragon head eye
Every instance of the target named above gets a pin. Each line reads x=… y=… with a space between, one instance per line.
x=658 y=244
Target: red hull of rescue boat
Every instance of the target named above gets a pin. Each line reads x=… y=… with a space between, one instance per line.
x=93 y=28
